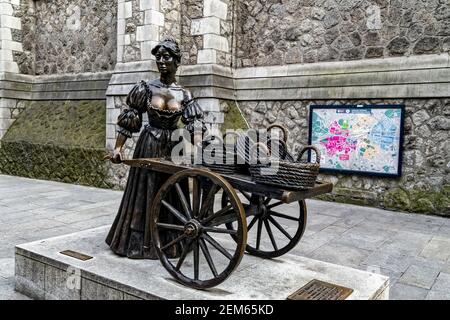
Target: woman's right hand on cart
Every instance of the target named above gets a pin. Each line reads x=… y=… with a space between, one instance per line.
x=117 y=156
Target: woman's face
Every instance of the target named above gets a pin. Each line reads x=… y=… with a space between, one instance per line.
x=165 y=61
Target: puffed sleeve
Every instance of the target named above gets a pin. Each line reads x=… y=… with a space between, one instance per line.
x=130 y=120
x=193 y=116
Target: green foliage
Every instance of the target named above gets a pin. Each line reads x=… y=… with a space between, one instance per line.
x=233 y=118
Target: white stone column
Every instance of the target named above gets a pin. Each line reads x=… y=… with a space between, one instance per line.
x=214 y=12
x=7 y=23
x=146 y=36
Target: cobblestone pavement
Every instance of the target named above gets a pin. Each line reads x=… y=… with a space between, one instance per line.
x=413 y=250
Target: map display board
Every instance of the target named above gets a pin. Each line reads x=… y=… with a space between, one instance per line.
x=364 y=139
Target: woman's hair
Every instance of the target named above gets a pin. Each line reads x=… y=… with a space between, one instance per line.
x=170 y=45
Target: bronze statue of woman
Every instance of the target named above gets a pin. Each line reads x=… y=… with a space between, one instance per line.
x=165 y=103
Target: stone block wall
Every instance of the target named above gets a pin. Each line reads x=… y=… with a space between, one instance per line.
x=304 y=31
x=425 y=182
x=10 y=29
x=74 y=36
x=142 y=23
x=69 y=51
x=207 y=30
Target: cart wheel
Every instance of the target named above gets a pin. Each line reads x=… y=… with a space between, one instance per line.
x=199 y=227
x=274 y=227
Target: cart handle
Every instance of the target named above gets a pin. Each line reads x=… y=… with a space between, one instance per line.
x=310 y=148
x=279 y=126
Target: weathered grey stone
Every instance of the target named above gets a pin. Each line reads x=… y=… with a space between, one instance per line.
x=355 y=38
x=400 y=291
x=422 y=277
x=427 y=45
x=30 y=277
x=59 y=286
x=438 y=248
x=372 y=39
x=331 y=35
x=420 y=117
x=439 y=291
x=108 y=276
x=439 y=123
x=341 y=254
x=401 y=30
x=353 y=54
x=398 y=46
x=342 y=43
x=96 y=291
x=374 y=52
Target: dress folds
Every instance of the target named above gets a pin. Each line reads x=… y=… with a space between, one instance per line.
x=126 y=236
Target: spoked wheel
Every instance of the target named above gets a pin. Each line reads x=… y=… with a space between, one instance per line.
x=206 y=255
x=274 y=227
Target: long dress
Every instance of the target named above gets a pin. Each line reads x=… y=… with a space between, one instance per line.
x=126 y=236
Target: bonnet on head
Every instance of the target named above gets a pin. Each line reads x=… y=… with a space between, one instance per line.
x=171 y=45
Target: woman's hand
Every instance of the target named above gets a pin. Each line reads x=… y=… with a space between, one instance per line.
x=117 y=156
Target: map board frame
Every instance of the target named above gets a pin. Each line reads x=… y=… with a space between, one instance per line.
x=400 y=107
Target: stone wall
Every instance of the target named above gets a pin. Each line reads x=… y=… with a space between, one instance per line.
x=276 y=32
x=72 y=36
x=10 y=110
x=57 y=140
x=26 y=36
x=207 y=31
x=190 y=9
x=425 y=182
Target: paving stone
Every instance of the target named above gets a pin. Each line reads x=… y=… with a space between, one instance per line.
x=39 y=224
x=365 y=238
x=314 y=241
x=420 y=276
x=406 y=242
x=395 y=261
x=48 y=233
x=6 y=267
x=74 y=217
x=341 y=255
x=401 y=291
x=92 y=223
x=393 y=275
x=403 y=246
x=438 y=248
x=440 y=289
x=349 y=221
x=444 y=231
x=319 y=222
x=7 y=291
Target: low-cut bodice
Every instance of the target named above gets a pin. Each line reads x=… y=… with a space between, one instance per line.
x=140 y=101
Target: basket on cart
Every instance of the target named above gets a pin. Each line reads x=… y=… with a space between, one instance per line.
x=272 y=170
x=247 y=140
x=219 y=155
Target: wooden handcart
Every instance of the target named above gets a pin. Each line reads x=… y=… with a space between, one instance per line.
x=216 y=224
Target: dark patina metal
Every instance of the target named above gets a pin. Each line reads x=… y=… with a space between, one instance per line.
x=170 y=212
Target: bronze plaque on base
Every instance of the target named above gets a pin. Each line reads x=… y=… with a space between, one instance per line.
x=76 y=255
x=320 y=290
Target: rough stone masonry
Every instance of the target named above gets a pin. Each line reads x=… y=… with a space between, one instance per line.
x=240 y=51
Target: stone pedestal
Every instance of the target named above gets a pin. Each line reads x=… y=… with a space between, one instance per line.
x=42 y=272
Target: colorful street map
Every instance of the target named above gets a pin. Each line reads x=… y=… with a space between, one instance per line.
x=357 y=139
